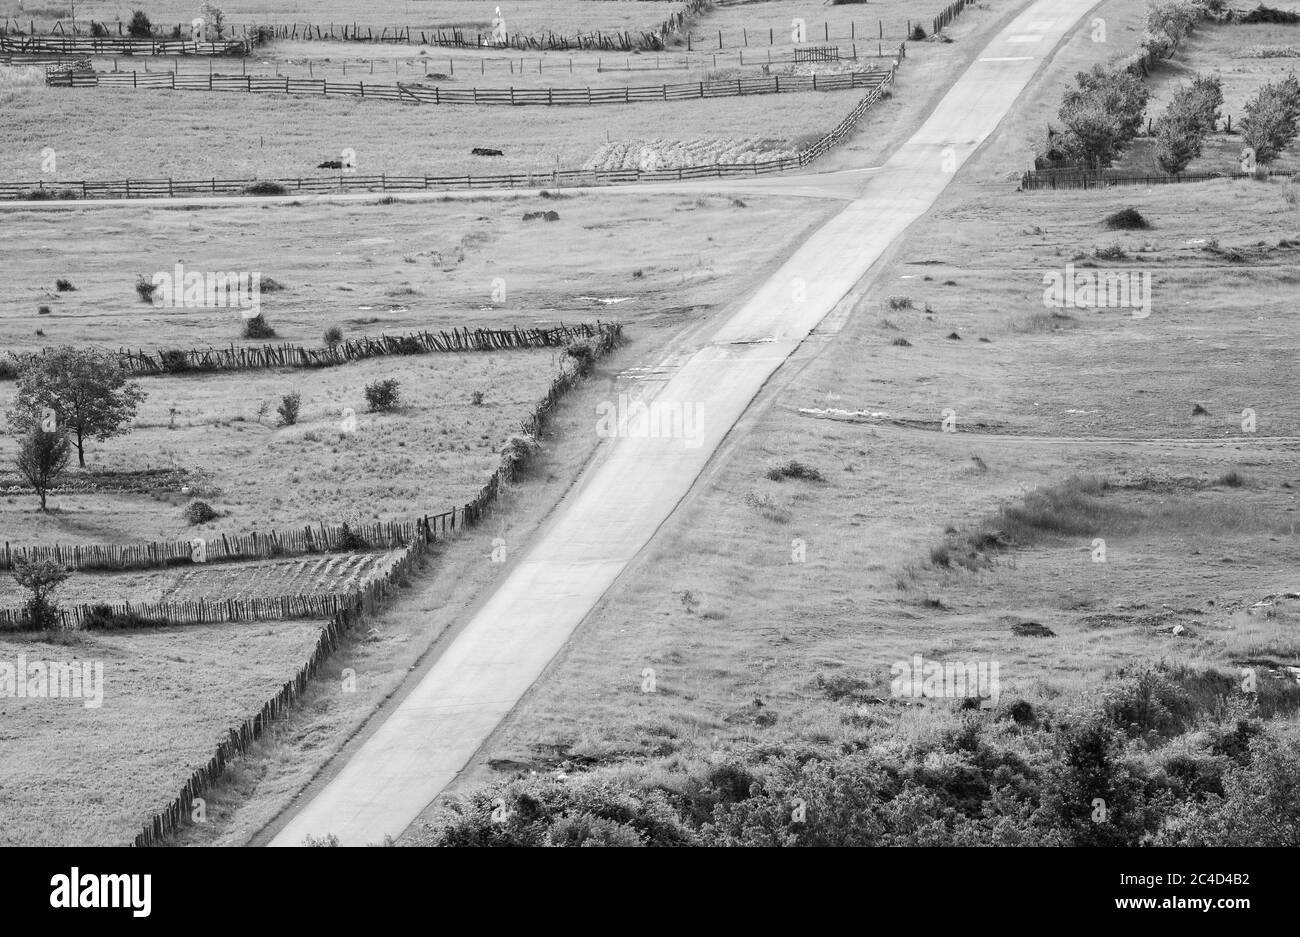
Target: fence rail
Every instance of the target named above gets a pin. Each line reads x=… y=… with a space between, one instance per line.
x=408 y=93
x=560 y=178
x=140 y=363
x=118 y=45
x=1037 y=179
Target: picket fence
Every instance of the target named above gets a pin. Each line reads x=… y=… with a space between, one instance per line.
x=353 y=609
x=140 y=363
x=562 y=178
x=512 y=97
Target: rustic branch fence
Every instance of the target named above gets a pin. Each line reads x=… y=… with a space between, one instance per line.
x=352 y=610
x=950 y=13
x=171 y=188
x=1080 y=179
x=140 y=363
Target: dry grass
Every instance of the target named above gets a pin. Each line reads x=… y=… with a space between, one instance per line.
x=87 y=777
x=279 y=136
x=560 y=16
x=339 y=263
x=435 y=452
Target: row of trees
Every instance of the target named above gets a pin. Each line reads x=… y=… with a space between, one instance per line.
x=65 y=398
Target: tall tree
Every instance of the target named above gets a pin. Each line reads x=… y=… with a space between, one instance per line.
x=87 y=391
x=42 y=457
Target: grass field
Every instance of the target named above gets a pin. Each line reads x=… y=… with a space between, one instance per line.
x=371 y=268
x=565 y=17
x=435 y=452
x=277 y=136
x=82 y=776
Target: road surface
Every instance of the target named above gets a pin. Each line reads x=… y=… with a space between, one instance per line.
x=636 y=483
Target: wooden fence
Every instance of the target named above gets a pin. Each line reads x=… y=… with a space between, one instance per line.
x=140 y=363
x=227 y=548
x=118 y=45
x=353 y=609
x=950 y=13
x=562 y=178
x=1083 y=179
x=406 y=93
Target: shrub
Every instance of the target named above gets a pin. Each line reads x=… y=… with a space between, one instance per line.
x=918 y=34
x=63 y=285
x=139 y=27
x=200 y=512
x=42 y=310
x=548 y=812
x=382 y=395
x=288 y=409
x=257 y=327
x=1233 y=479
x=518 y=449
x=794 y=469
x=265 y=187
x=583 y=355
x=102 y=617
x=1127 y=219
x=351 y=541
x=40 y=578
x=333 y=336
x=98 y=30
x=476 y=398
x=900 y=302
x=145 y=287
x=174 y=360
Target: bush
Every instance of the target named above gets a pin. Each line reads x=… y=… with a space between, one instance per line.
x=476 y=398
x=288 y=409
x=350 y=541
x=174 y=360
x=265 y=187
x=548 y=812
x=106 y=618
x=333 y=336
x=583 y=355
x=1127 y=219
x=145 y=287
x=918 y=34
x=200 y=512
x=257 y=327
x=63 y=285
x=519 y=449
x=139 y=27
x=383 y=396
x=40 y=578
x=794 y=469
x=98 y=30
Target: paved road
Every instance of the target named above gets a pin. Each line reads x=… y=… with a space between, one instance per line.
x=636 y=483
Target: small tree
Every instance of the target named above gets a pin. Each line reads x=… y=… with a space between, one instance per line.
x=1269 y=126
x=290 y=404
x=382 y=395
x=139 y=27
x=214 y=16
x=41 y=578
x=42 y=458
x=87 y=391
